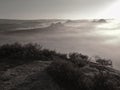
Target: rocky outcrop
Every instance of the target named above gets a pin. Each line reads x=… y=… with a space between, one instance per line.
x=33 y=76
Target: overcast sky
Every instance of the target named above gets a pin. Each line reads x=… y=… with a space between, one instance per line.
x=68 y=9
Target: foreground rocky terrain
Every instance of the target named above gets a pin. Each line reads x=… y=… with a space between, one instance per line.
x=33 y=76
x=30 y=67
x=30 y=76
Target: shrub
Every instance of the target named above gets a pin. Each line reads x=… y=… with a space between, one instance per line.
x=104 y=62
x=105 y=81
x=17 y=53
x=71 y=77
x=78 y=59
x=67 y=75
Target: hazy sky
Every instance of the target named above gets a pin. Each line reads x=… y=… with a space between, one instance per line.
x=73 y=9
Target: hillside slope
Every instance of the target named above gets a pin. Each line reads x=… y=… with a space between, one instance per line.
x=29 y=67
x=33 y=76
x=27 y=77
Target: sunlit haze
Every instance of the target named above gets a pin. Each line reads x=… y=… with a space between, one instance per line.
x=89 y=36
x=111 y=11
x=61 y=9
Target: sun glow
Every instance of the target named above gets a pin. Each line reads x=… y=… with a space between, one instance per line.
x=109 y=30
x=109 y=33
x=112 y=37
x=112 y=11
x=110 y=25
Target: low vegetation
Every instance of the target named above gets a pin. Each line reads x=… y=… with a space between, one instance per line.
x=79 y=73
x=74 y=71
x=16 y=53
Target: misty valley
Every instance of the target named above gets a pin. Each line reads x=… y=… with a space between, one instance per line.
x=59 y=54
x=91 y=37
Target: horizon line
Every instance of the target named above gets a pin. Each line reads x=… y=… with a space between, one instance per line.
x=57 y=19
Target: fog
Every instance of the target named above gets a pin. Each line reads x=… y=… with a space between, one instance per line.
x=89 y=37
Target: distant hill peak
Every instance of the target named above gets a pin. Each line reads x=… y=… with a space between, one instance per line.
x=56 y=25
x=100 y=20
